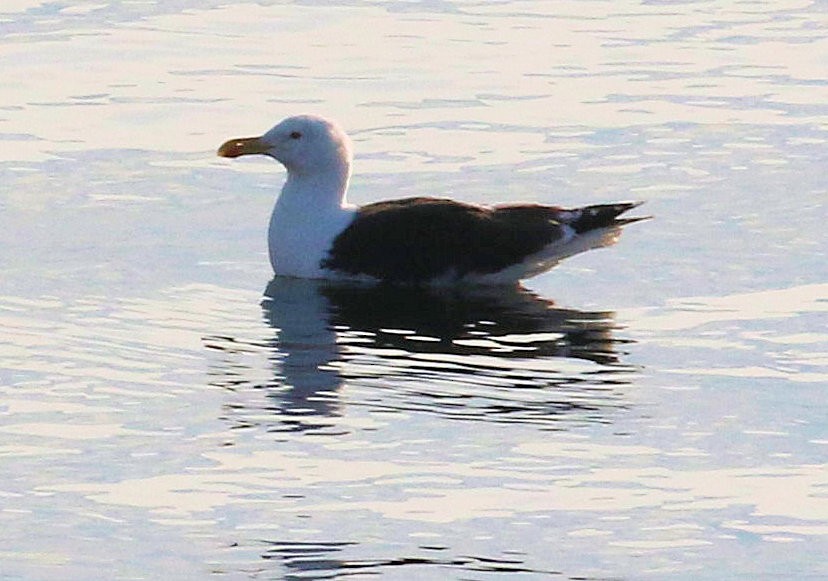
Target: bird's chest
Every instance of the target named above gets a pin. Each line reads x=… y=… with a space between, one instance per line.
x=298 y=242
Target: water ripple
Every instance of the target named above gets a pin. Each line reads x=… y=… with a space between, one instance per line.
x=323 y=560
x=501 y=355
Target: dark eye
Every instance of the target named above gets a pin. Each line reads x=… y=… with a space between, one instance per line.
x=295 y=135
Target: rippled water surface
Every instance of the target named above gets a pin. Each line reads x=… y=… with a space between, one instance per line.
x=653 y=411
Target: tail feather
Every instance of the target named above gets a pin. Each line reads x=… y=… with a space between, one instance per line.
x=602 y=216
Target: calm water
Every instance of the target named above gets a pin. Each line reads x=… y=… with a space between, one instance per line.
x=653 y=411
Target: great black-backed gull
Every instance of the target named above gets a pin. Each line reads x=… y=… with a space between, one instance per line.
x=315 y=233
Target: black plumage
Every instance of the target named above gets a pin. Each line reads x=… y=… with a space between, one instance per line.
x=421 y=239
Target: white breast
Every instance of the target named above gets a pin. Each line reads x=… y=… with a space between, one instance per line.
x=299 y=240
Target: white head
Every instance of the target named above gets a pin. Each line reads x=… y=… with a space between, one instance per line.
x=306 y=145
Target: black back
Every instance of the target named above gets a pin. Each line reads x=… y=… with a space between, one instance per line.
x=419 y=239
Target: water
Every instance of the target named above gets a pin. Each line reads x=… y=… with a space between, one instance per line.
x=653 y=411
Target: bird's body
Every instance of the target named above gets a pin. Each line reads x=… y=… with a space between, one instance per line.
x=314 y=233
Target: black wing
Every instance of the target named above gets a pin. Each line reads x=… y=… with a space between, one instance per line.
x=419 y=239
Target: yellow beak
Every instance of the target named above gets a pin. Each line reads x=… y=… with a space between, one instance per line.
x=242 y=146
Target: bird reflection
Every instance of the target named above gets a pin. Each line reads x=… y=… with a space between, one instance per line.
x=330 y=560
x=486 y=354
x=504 y=322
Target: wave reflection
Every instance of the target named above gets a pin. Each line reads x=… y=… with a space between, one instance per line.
x=494 y=355
x=323 y=560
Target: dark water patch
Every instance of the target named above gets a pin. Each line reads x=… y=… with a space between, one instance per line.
x=483 y=355
x=329 y=560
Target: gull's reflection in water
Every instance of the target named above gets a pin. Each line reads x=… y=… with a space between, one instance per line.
x=496 y=354
x=329 y=560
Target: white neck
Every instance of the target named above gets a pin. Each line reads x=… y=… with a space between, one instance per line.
x=317 y=191
x=308 y=214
